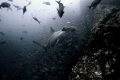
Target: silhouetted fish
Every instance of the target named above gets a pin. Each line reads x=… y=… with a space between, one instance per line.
x=56 y=37
x=36 y=19
x=28 y=3
x=60 y=10
x=10 y=0
x=1 y=33
x=94 y=4
x=54 y=18
x=24 y=9
x=3 y=42
x=18 y=7
x=5 y=5
x=47 y=3
x=25 y=31
x=21 y=38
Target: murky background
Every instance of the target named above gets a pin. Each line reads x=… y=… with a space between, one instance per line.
x=24 y=60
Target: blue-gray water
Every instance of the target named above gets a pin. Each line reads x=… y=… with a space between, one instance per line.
x=24 y=60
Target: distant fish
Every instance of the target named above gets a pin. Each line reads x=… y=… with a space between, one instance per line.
x=21 y=38
x=24 y=10
x=18 y=7
x=68 y=22
x=36 y=19
x=25 y=31
x=5 y=5
x=10 y=0
x=3 y=42
x=1 y=33
x=54 y=18
x=94 y=4
x=47 y=3
x=0 y=20
x=56 y=37
x=60 y=10
x=29 y=3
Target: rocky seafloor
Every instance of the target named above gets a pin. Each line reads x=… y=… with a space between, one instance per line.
x=101 y=57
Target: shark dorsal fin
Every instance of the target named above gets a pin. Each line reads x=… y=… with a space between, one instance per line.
x=52 y=30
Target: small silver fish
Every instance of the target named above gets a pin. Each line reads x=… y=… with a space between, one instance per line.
x=18 y=7
x=25 y=31
x=36 y=19
x=47 y=3
x=29 y=3
x=54 y=18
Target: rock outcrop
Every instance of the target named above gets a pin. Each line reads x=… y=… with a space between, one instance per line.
x=101 y=57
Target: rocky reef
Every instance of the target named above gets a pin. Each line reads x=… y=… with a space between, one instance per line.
x=101 y=57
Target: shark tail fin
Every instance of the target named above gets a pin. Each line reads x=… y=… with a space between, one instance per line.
x=89 y=7
x=43 y=46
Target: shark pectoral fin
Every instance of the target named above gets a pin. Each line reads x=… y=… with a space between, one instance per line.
x=57 y=42
x=52 y=30
x=36 y=43
x=39 y=44
x=43 y=46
